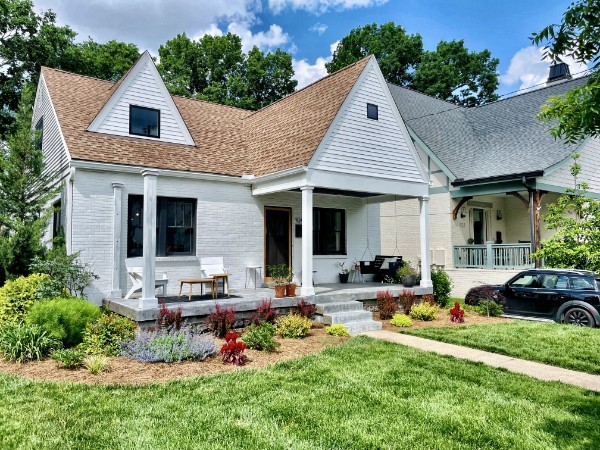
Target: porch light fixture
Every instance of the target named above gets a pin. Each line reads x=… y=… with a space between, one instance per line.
x=463 y=212
x=498 y=214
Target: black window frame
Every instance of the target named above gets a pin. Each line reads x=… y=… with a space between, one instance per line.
x=57 y=218
x=131 y=108
x=320 y=235
x=372 y=107
x=39 y=134
x=162 y=225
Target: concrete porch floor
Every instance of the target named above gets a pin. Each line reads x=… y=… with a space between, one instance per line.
x=248 y=300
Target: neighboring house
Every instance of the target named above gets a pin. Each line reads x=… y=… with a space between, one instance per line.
x=169 y=179
x=486 y=166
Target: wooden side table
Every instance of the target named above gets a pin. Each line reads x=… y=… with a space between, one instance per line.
x=201 y=282
x=225 y=278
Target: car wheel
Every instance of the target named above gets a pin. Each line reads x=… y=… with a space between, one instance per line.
x=579 y=317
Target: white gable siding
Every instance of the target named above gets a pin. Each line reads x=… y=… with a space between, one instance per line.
x=589 y=162
x=363 y=146
x=55 y=153
x=143 y=91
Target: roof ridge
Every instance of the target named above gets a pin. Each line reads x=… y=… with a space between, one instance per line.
x=310 y=85
x=426 y=95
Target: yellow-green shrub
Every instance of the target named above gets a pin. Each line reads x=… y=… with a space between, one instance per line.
x=17 y=296
x=337 y=330
x=424 y=311
x=293 y=326
x=401 y=320
x=105 y=335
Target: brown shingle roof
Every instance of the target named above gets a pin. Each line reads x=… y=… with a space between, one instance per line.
x=229 y=141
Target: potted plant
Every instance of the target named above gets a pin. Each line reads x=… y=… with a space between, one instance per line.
x=344 y=273
x=407 y=274
x=279 y=273
x=290 y=288
x=470 y=241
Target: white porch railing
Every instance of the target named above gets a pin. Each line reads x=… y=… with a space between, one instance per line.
x=493 y=256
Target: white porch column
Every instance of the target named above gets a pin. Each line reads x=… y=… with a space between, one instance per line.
x=116 y=291
x=307 y=241
x=425 y=252
x=148 y=299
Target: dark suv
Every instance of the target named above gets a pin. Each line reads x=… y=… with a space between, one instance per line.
x=563 y=295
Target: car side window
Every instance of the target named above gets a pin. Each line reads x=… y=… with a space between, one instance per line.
x=529 y=281
x=581 y=283
x=555 y=282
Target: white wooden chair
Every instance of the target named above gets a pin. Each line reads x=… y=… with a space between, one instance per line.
x=135 y=272
x=211 y=265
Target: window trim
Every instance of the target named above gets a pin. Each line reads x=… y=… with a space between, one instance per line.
x=344 y=248
x=39 y=130
x=131 y=106
x=162 y=219
x=370 y=107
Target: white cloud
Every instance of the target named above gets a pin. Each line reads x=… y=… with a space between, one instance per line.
x=528 y=68
x=318 y=28
x=321 y=6
x=307 y=73
x=271 y=39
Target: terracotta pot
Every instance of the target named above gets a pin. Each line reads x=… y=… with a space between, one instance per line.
x=279 y=291
x=290 y=290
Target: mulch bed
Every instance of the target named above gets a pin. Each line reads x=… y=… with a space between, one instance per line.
x=128 y=371
x=443 y=320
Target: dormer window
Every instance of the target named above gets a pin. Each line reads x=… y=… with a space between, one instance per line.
x=144 y=121
x=372 y=111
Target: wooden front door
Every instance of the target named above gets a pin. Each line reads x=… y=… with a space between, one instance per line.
x=278 y=237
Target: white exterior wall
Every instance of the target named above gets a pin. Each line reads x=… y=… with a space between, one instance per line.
x=230 y=223
x=143 y=91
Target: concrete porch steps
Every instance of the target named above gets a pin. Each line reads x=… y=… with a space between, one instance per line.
x=349 y=313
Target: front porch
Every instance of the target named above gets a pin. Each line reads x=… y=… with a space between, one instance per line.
x=246 y=301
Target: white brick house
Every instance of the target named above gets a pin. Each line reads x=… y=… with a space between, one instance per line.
x=218 y=181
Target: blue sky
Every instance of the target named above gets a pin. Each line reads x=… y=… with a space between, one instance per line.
x=310 y=28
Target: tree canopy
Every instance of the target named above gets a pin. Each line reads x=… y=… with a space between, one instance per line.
x=576 y=114
x=451 y=72
x=214 y=68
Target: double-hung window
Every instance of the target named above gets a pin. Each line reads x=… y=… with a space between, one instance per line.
x=175 y=226
x=329 y=231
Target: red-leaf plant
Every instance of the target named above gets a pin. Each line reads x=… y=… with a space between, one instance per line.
x=456 y=314
x=305 y=309
x=169 y=318
x=232 y=351
x=264 y=313
x=386 y=305
x=407 y=300
x=221 y=320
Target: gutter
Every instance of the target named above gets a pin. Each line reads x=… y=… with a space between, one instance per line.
x=510 y=177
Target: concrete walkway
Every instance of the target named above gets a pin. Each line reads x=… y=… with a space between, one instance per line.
x=540 y=371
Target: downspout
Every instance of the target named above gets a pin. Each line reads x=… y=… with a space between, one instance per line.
x=69 y=236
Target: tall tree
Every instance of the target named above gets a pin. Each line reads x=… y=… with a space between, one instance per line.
x=179 y=66
x=108 y=61
x=576 y=113
x=24 y=193
x=451 y=72
x=454 y=74
x=397 y=53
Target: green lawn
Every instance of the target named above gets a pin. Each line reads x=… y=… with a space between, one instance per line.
x=364 y=394
x=551 y=343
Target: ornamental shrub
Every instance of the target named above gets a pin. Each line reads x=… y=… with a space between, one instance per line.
x=23 y=342
x=485 y=292
x=457 y=314
x=305 y=309
x=407 y=300
x=96 y=364
x=338 y=330
x=169 y=319
x=105 y=335
x=442 y=286
x=68 y=274
x=264 y=313
x=424 y=311
x=232 y=351
x=401 y=321
x=489 y=308
x=261 y=337
x=221 y=320
x=19 y=295
x=164 y=345
x=386 y=304
x=64 y=318
x=69 y=358
x=293 y=326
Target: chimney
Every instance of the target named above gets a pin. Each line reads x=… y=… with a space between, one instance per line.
x=559 y=72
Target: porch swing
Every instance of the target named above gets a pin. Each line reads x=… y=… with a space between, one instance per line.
x=382 y=265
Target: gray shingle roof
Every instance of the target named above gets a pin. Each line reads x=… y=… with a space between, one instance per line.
x=497 y=139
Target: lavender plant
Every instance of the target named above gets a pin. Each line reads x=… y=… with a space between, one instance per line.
x=168 y=346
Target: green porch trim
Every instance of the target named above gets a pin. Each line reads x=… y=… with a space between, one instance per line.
x=501 y=187
x=438 y=190
x=430 y=153
x=563 y=190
